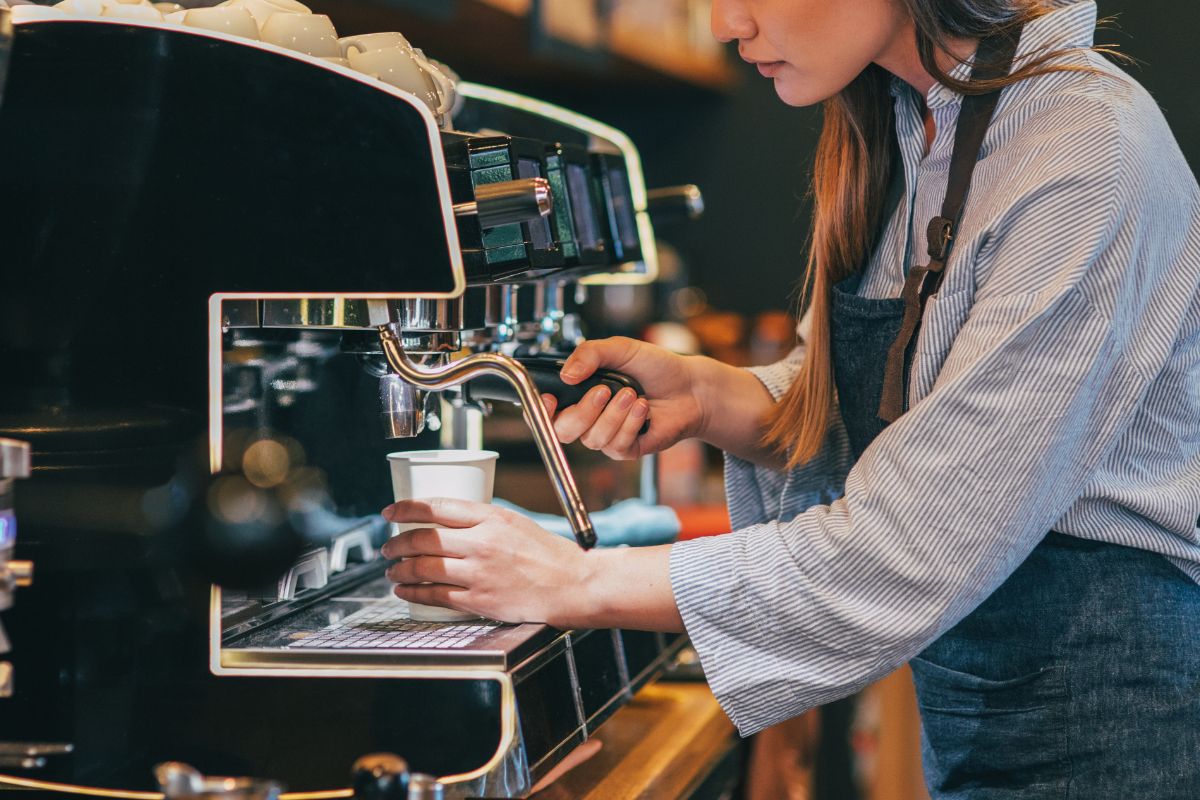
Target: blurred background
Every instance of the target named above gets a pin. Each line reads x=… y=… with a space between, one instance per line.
x=701 y=115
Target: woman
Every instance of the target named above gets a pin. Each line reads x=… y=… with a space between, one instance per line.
x=985 y=460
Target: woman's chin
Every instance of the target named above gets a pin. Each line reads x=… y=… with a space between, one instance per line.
x=800 y=93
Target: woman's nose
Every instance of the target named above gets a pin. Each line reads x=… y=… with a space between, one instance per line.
x=731 y=20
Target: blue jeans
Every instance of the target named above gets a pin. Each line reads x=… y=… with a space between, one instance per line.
x=1078 y=678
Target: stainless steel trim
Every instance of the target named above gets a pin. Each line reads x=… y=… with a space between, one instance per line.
x=14 y=459
x=536 y=416
x=687 y=197
x=429 y=315
x=500 y=312
x=30 y=755
x=358 y=539
x=311 y=571
x=648 y=479
x=576 y=688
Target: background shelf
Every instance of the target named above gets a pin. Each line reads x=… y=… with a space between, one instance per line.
x=502 y=41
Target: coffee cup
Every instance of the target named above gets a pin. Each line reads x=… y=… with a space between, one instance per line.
x=140 y=11
x=262 y=10
x=31 y=13
x=372 y=41
x=457 y=474
x=313 y=34
x=82 y=8
x=234 y=21
x=442 y=76
x=398 y=67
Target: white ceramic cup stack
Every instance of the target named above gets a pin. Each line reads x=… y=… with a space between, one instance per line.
x=389 y=57
x=312 y=34
x=223 y=19
x=457 y=474
x=137 y=10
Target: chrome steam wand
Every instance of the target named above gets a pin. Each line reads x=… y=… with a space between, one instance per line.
x=536 y=417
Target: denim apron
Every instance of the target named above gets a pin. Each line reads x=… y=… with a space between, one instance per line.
x=1078 y=678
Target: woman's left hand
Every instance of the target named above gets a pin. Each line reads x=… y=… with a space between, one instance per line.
x=486 y=560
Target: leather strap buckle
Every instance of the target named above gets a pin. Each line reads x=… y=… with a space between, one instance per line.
x=941 y=234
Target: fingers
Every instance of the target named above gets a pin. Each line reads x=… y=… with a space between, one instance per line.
x=573 y=422
x=432 y=569
x=590 y=356
x=432 y=594
x=440 y=512
x=427 y=542
x=610 y=420
x=623 y=444
x=551 y=404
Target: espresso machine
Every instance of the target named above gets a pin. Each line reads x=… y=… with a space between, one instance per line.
x=235 y=277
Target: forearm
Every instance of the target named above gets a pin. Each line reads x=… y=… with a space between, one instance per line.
x=625 y=587
x=735 y=409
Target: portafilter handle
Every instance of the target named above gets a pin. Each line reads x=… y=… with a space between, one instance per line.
x=536 y=416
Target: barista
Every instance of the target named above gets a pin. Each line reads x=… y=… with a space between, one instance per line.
x=984 y=459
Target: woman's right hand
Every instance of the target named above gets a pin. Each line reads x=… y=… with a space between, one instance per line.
x=611 y=424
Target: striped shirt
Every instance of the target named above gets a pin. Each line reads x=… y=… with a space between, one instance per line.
x=1056 y=386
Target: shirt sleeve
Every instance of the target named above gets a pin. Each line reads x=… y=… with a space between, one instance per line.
x=756 y=494
x=1042 y=378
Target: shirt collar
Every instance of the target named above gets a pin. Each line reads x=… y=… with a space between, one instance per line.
x=1072 y=25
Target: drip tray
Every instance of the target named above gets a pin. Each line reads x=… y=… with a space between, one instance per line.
x=386 y=625
x=369 y=627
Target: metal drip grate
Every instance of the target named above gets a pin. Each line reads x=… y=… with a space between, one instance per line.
x=387 y=626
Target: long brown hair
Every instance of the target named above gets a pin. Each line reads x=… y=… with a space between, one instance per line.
x=849 y=183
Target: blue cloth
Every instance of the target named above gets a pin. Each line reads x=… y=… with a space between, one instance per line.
x=631 y=522
x=1055 y=386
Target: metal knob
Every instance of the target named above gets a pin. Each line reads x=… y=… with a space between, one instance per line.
x=508 y=202
x=179 y=781
x=380 y=776
x=424 y=787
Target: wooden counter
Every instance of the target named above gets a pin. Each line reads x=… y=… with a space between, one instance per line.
x=662 y=745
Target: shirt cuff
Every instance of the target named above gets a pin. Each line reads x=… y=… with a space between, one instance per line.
x=724 y=616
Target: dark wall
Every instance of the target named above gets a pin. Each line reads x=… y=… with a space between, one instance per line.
x=750 y=153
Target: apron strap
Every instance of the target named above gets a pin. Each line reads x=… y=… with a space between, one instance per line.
x=994 y=59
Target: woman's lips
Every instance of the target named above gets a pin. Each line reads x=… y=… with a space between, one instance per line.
x=769 y=69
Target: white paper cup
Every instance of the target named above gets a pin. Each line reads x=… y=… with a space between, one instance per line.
x=457 y=474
